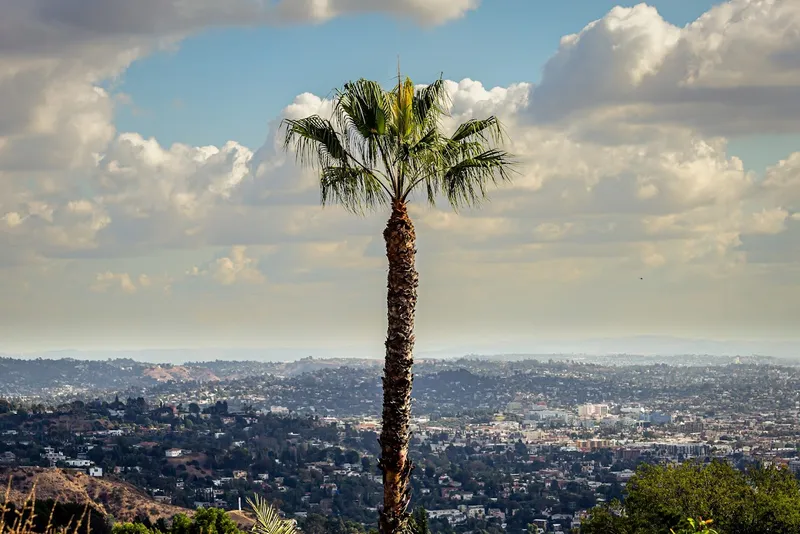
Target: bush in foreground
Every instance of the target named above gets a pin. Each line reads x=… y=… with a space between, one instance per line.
x=659 y=499
x=216 y=521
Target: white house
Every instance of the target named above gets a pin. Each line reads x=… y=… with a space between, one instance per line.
x=96 y=472
x=78 y=463
x=173 y=453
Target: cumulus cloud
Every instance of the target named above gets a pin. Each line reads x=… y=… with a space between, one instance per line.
x=36 y=26
x=680 y=198
x=732 y=71
x=235 y=268
x=782 y=182
x=54 y=60
x=108 y=280
x=124 y=283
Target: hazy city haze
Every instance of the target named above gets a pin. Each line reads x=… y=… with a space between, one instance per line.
x=145 y=200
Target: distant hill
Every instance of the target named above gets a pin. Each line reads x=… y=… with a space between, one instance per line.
x=180 y=373
x=311 y=365
x=65 y=379
x=106 y=495
x=71 y=378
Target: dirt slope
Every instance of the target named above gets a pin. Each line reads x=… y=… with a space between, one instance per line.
x=107 y=495
x=180 y=373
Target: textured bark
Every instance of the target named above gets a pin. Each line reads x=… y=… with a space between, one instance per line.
x=397 y=377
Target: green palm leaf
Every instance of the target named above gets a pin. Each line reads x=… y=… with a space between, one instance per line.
x=267 y=519
x=430 y=104
x=352 y=187
x=488 y=129
x=466 y=181
x=380 y=147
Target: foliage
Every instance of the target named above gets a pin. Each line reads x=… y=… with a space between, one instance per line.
x=217 y=521
x=267 y=519
x=381 y=147
x=319 y=524
x=418 y=523
x=207 y=521
x=204 y=521
x=131 y=528
x=763 y=500
x=693 y=526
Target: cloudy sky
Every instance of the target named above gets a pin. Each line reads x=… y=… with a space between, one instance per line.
x=144 y=201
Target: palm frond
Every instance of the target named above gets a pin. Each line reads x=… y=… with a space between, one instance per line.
x=466 y=181
x=315 y=141
x=430 y=104
x=363 y=105
x=267 y=519
x=353 y=187
x=343 y=177
x=426 y=143
x=403 y=116
x=460 y=169
x=382 y=146
x=362 y=111
x=489 y=129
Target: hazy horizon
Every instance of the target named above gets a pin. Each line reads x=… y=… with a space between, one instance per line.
x=639 y=345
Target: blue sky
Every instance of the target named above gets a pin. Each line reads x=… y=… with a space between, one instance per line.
x=227 y=84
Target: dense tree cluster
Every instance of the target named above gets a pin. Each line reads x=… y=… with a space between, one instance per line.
x=761 y=500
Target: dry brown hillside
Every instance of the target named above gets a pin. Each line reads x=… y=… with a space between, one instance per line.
x=180 y=373
x=106 y=495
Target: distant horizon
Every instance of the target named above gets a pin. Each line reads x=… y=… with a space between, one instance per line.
x=643 y=345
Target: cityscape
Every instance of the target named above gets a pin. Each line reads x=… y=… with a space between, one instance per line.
x=497 y=442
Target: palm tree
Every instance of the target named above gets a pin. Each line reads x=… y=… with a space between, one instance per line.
x=378 y=150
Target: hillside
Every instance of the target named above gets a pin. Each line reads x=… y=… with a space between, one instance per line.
x=65 y=379
x=106 y=495
x=59 y=380
x=180 y=373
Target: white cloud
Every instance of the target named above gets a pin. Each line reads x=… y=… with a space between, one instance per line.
x=54 y=57
x=428 y=12
x=772 y=221
x=680 y=198
x=732 y=71
x=36 y=26
x=13 y=219
x=782 y=182
x=128 y=284
x=108 y=280
x=235 y=268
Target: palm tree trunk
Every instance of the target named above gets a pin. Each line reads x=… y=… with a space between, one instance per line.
x=397 y=377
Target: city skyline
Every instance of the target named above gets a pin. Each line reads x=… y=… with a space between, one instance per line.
x=145 y=200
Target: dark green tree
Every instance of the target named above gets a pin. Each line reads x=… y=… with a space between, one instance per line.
x=205 y=521
x=418 y=522
x=658 y=499
x=131 y=528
